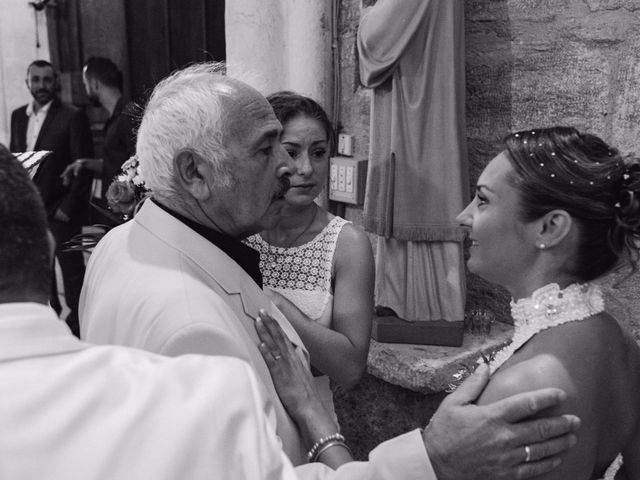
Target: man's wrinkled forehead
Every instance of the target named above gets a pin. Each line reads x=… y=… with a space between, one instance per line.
x=248 y=110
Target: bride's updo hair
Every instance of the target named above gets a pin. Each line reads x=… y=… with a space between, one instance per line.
x=561 y=168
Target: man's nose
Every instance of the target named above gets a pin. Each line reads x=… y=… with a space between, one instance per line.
x=286 y=165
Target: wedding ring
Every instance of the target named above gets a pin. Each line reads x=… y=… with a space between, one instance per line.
x=277 y=357
x=527 y=452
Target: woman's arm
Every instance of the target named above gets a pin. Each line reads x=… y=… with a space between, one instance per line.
x=341 y=352
x=297 y=393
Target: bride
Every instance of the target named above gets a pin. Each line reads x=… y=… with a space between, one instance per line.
x=556 y=210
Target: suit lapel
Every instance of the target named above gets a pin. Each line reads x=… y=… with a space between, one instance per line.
x=47 y=122
x=218 y=265
x=22 y=123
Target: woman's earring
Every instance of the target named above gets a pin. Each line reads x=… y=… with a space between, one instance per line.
x=542 y=246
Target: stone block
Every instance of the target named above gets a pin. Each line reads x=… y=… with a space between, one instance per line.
x=433 y=332
x=430 y=369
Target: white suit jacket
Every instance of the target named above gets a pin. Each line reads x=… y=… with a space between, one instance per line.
x=155 y=284
x=73 y=411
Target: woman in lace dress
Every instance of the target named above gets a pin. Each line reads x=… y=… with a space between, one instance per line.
x=552 y=213
x=318 y=267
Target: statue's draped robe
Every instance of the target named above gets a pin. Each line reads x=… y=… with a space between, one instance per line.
x=412 y=55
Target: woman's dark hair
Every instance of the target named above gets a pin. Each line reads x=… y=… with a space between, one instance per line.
x=288 y=105
x=561 y=168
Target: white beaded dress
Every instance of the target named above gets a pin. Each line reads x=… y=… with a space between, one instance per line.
x=549 y=307
x=304 y=275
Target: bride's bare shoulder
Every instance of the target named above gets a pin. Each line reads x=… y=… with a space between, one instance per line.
x=574 y=357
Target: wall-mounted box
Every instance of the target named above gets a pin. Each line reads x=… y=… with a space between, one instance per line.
x=345 y=145
x=347 y=179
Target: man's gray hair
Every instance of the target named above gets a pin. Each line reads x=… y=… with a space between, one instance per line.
x=185 y=111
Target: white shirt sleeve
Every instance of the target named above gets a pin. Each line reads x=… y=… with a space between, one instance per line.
x=401 y=458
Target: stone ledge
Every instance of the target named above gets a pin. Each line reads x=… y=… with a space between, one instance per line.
x=427 y=368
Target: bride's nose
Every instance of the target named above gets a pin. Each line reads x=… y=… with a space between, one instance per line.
x=464 y=217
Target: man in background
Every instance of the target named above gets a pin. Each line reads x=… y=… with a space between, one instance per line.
x=46 y=123
x=103 y=83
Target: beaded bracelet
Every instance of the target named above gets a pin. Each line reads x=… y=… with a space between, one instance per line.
x=334 y=443
x=320 y=443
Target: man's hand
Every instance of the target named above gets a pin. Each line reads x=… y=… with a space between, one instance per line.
x=468 y=442
x=60 y=216
x=72 y=170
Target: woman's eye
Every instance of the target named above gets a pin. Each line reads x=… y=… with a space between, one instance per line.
x=267 y=150
x=319 y=153
x=481 y=200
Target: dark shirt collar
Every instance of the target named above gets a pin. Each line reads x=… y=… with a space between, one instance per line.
x=243 y=255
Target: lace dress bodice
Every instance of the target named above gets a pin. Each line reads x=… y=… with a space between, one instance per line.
x=302 y=274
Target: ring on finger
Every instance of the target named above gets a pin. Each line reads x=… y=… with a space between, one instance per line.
x=277 y=357
x=527 y=453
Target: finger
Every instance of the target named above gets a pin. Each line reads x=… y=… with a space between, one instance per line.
x=550 y=448
x=540 y=451
x=536 y=431
x=276 y=345
x=523 y=405
x=270 y=359
x=265 y=334
x=471 y=388
x=533 y=469
x=278 y=336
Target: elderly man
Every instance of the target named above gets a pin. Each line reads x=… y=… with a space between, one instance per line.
x=176 y=279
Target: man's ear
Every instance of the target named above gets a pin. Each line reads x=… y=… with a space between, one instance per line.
x=192 y=173
x=553 y=228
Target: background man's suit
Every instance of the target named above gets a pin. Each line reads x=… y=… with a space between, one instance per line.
x=65 y=131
